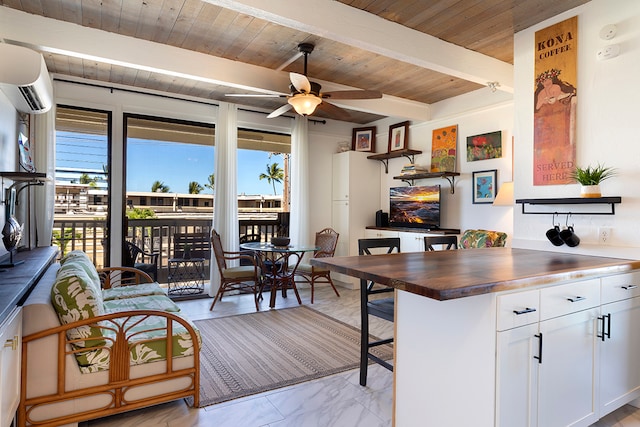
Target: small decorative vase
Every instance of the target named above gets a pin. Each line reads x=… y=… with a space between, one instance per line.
x=590 y=191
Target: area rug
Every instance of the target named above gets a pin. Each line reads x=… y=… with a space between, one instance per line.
x=252 y=353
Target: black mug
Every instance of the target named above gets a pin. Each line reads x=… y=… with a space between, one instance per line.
x=569 y=237
x=553 y=234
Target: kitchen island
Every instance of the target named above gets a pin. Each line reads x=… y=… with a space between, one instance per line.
x=508 y=337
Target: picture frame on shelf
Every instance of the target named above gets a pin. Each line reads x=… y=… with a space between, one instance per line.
x=485 y=186
x=398 y=136
x=484 y=146
x=364 y=139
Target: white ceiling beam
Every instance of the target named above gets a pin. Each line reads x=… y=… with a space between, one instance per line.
x=354 y=27
x=50 y=35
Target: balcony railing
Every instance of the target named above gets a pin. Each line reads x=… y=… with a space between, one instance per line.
x=151 y=235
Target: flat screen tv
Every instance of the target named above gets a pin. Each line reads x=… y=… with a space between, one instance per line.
x=415 y=207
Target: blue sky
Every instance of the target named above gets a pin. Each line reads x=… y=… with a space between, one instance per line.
x=174 y=164
x=178 y=164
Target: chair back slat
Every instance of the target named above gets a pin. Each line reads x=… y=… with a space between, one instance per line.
x=450 y=241
x=326 y=241
x=195 y=244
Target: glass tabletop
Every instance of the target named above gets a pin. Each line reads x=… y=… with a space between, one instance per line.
x=268 y=247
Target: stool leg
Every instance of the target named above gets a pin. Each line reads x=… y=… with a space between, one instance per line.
x=364 y=333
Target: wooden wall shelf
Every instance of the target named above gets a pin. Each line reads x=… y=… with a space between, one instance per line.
x=611 y=201
x=449 y=176
x=384 y=157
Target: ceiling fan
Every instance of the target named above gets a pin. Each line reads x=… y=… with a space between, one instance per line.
x=305 y=96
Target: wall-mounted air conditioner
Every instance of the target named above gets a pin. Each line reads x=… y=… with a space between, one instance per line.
x=24 y=79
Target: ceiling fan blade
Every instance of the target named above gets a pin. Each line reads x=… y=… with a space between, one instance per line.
x=254 y=95
x=300 y=82
x=279 y=111
x=333 y=111
x=352 y=94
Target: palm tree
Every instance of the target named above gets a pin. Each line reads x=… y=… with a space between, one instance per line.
x=85 y=179
x=195 y=188
x=274 y=174
x=159 y=187
x=211 y=185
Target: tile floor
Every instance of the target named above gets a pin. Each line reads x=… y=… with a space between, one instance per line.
x=334 y=401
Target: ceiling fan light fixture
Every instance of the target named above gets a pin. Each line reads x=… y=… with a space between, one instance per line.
x=304 y=103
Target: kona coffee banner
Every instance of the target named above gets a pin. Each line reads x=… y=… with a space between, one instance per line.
x=555 y=102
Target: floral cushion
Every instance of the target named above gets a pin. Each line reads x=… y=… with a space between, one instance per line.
x=148 y=302
x=75 y=297
x=132 y=291
x=79 y=259
x=482 y=239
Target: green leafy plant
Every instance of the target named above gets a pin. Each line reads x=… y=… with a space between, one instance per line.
x=592 y=175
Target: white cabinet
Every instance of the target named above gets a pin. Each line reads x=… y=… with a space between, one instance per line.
x=10 y=338
x=619 y=341
x=567 y=381
x=547 y=359
x=411 y=242
x=380 y=234
x=356 y=198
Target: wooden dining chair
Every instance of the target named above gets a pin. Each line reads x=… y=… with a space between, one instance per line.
x=451 y=242
x=379 y=307
x=240 y=278
x=326 y=241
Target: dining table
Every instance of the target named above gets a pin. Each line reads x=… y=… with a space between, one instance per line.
x=278 y=266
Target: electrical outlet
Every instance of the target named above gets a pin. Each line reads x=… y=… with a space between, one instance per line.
x=604 y=235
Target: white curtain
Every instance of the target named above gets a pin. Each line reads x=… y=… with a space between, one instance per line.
x=45 y=161
x=299 y=221
x=225 y=218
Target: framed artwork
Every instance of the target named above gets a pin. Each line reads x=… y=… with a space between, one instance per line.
x=484 y=146
x=364 y=139
x=485 y=186
x=398 y=136
x=24 y=146
x=443 y=149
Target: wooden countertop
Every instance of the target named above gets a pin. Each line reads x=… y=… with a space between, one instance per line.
x=16 y=282
x=444 y=275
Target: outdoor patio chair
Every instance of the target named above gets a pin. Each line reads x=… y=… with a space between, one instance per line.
x=130 y=259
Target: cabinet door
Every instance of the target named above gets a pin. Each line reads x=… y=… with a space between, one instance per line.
x=411 y=242
x=568 y=380
x=340 y=176
x=340 y=223
x=619 y=354
x=517 y=377
x=10 y=333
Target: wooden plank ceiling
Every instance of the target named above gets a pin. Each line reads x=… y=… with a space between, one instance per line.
x=244 y=35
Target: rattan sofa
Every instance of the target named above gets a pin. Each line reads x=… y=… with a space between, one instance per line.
x=89 y=353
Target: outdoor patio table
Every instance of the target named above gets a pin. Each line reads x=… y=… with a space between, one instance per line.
x=279 y=265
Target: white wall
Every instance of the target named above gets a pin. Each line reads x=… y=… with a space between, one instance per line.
x=608 y=129
x=458 y=211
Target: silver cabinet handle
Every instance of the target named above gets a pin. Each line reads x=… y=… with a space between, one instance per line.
x=576 y=299
x=629 y=287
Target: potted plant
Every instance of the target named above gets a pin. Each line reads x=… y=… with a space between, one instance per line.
x=590 y=178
